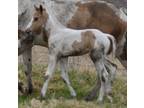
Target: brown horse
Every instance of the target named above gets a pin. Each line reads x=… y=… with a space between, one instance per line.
x=104 y=16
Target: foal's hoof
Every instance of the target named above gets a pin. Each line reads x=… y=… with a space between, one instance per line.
x=73 y=94
x=89 y=97
x=42 y=97
x=110 y=99
x=100 y=102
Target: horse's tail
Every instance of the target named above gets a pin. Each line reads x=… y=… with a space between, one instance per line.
x=112 y=48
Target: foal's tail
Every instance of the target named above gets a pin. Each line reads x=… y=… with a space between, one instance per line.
x=112 y=49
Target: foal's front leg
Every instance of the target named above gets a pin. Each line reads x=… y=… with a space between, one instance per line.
x=48 y=75
x=27 y=57
x=64 y=75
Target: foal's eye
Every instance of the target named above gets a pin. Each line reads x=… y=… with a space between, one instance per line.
x=36 y=18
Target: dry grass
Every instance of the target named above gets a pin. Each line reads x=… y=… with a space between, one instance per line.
x=58 y=95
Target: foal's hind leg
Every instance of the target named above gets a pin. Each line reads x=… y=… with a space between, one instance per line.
x=107 y=84
x=100 y=69
x=111 y=70
x=98 y=59
x=28 y=68
x=64 y=75
x=105 y=89
x=93 y=93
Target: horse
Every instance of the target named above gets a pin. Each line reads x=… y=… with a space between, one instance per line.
x=25 y=43
x=78 y=22
x=64 y=42
x=106 y=17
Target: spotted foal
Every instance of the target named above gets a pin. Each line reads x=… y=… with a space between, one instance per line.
x=63 y=42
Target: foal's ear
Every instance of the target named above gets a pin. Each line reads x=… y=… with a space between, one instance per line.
x=36 y=8
x=41 y=8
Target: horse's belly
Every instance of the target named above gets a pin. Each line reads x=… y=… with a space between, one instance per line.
x=73 y=52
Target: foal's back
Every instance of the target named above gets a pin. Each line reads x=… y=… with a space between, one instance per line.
x=72 y=42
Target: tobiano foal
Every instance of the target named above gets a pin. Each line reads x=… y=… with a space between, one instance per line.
x=63 y=42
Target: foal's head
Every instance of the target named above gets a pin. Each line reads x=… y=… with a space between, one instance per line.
x=38 y=21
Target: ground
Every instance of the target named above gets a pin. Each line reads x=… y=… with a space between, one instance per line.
x=58 y=95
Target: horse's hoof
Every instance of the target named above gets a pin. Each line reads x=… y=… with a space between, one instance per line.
x=30 y=90
x=20 y=87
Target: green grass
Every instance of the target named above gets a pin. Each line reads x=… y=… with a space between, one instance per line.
x=58 y=95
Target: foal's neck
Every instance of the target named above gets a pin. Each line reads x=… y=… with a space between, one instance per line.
x=53 y=23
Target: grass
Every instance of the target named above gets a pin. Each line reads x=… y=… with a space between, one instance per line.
x=58 y=95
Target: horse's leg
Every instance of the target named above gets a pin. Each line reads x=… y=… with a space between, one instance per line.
x=27 y=56
x=106 y=78
x=20 y=88
x=93 y=93
x=64 y=75
x=105 y=89
x=98 y=60
x=100 y=69
x=48 y=75
x=121 y=51
x=111 y=69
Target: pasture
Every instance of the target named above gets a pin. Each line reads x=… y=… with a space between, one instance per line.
x=58 y=95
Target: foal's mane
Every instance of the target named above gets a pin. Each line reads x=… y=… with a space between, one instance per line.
x=52 y=16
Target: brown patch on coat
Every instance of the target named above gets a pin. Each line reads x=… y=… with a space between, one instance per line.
x=87 y=42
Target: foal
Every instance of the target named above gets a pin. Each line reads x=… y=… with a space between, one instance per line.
x=64 y=42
